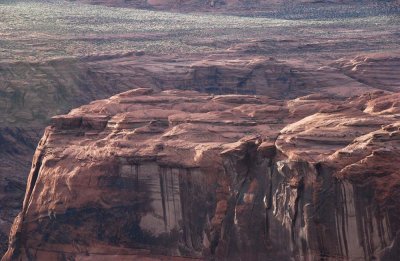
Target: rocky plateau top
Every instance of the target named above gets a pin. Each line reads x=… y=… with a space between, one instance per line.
x=160 y=174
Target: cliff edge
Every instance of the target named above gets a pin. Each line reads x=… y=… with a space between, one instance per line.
x=183 y=175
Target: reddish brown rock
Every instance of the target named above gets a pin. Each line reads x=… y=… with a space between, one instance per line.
x=182 y=174
x=35 y=91
x=381 y=69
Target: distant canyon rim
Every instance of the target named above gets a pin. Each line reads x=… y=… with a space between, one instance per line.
x=303 y=61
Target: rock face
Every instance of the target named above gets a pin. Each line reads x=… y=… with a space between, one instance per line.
x=47 y=70
x=30 y=93
x=16 y=148
x=380 y=70
x=52 y=67
x=148 y=174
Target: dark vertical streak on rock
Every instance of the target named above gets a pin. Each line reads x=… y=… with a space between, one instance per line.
x=191 y=201
x=167 y=192
x=185 y=191
x=361 y=226
x=345 y=223
x=380 y=227
x=161 y=175
x=137 y=187
x=295 y=216
x=340 y=217
x=173 y=194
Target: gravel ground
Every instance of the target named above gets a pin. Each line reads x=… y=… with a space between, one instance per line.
x=41 y=30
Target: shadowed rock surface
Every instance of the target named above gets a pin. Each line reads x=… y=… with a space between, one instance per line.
x=148 y=174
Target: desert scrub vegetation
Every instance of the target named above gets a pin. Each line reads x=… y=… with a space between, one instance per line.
x=38 y=30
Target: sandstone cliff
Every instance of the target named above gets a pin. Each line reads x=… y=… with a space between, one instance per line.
x=31 y=93
x=148 y=174
x=56 y=55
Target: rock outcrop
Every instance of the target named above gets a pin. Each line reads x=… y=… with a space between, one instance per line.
x=149 y=174
x=32 y=92
x=382 y=69
x=63 y=62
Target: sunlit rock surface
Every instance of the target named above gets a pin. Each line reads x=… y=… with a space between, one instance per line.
x=149 y=174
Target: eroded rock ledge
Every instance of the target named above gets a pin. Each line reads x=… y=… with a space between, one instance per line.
x=230 y=177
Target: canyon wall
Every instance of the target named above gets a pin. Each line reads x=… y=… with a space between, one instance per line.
x=186 y=175
x=31 y=93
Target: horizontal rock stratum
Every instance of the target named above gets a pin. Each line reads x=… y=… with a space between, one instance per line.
x=158 y=174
